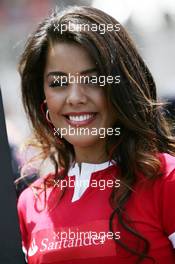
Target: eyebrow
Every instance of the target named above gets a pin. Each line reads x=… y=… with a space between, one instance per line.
x=89 y=71
x=63 y=73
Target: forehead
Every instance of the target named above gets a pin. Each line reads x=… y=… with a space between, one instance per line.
x=68 y=57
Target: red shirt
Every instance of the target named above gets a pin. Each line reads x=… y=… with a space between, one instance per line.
x=77 y=230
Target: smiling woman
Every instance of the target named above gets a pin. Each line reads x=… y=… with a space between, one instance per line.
x=62 y=88
x=77 y=104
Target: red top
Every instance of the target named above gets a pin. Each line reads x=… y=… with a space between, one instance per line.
x=76 y=231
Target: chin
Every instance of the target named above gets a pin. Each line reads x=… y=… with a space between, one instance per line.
x=83 y=141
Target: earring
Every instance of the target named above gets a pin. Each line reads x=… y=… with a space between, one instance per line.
x=48 y=117
x=45 y=113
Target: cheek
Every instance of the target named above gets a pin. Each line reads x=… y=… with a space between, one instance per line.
x=113 y=116
x=99 y=98
x=110 y=114
x=54 y=101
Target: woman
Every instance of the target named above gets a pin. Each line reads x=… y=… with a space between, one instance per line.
x=93 y=106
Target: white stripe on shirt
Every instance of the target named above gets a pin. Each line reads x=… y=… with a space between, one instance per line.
x=172 y=239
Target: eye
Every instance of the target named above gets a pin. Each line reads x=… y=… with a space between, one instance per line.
x=90 y=80
x=58 y=82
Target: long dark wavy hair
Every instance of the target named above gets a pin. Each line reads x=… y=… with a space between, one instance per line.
x=144 y=130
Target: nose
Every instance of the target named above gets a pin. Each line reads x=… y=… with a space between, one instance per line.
x=76 y=95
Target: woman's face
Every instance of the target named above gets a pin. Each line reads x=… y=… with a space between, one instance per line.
x=75 y=104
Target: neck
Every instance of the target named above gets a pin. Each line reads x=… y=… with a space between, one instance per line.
x=95 y=154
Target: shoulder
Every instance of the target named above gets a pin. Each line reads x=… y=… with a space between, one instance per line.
x=167 y=165
x=167 y=172
x=166 y=195
x=161 y=186
x=166 y=182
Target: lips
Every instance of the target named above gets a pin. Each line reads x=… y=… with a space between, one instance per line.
x=80 y=118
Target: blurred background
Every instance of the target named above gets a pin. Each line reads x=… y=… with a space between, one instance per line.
x=151 y=23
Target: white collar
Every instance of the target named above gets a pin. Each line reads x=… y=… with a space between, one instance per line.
x=82 y=179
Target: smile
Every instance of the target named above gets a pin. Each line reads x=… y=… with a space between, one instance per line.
x=80 y=118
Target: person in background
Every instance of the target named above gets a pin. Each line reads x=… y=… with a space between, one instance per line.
x=170 y=111
x=17 y=159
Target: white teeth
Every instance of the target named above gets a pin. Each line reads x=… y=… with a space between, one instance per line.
x=80 y=117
